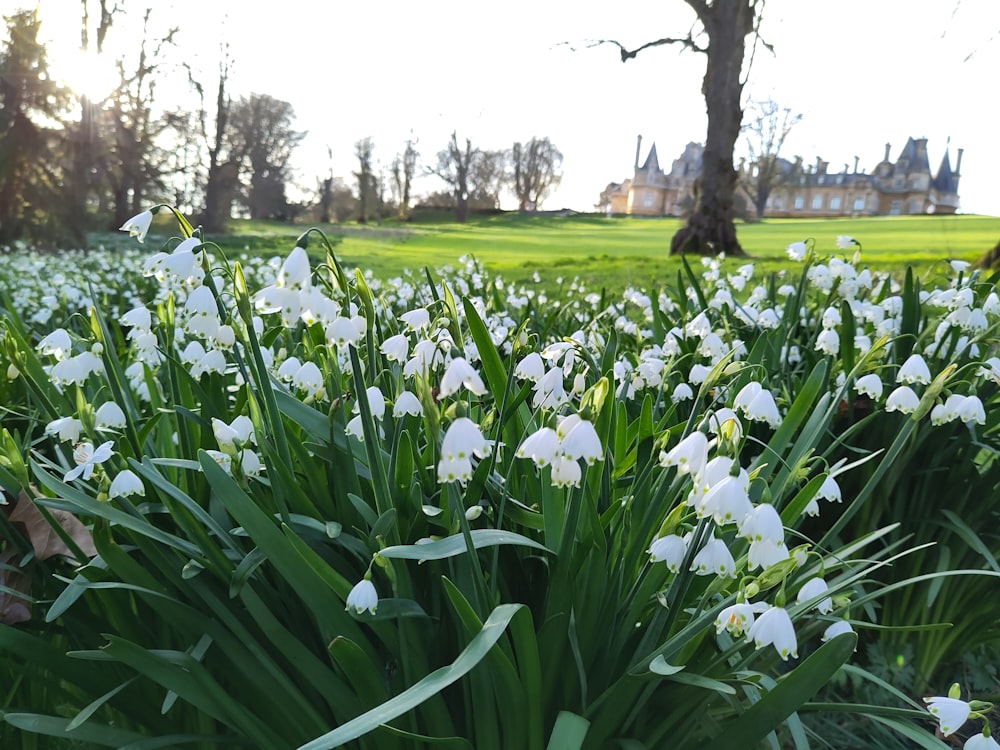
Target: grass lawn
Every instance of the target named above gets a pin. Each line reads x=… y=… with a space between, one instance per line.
x=618 y=251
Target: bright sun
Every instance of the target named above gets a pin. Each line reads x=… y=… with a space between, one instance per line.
x=85 y=73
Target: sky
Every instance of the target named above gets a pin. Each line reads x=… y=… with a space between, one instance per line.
x=862 y=73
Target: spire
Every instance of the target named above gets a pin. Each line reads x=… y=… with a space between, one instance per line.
x=652 y=164
x=945 y=180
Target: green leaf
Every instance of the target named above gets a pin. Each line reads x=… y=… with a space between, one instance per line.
x=659 y=666
x=455 y=545
x=794 y=689
x=429 y=686
x=54 y=726
x=569 y=732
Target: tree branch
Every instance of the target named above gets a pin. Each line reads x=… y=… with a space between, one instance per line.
x=627 y=54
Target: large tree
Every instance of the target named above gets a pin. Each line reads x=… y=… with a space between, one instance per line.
x=261 y=132
x=364 y=150
x=767 y=126
x=534 y=170
x=404 y=167
x=721 y=35
x=29 y=149
x=454 y=167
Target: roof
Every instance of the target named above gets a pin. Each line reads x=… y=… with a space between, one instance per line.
x=944 y=180
x=652 y=164
x=915 y=153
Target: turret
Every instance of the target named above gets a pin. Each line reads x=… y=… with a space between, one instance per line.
x=638 y=145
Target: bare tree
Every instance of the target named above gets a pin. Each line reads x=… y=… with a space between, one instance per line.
x=487 y=175
x=767 y=126
x=223 y=166
x=720 y=34
x=534 y=170
x=365 y=151
x=404 y=166
x=454 y=167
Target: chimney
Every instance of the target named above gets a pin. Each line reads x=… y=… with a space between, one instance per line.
x=638 y=145
x=958 y=164
x=821 y=166
x=856 y=160
x=887 y=149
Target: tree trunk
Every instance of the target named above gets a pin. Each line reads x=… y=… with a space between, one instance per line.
x=710 y=229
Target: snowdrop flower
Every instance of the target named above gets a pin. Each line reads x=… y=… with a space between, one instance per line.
x=579 y=440
x=224 y=460
x=109 y=416
x=914 y=370
x=981 y=742
x=958 y=266
x=812 y=588
x=903 y=400
x=725 y=421
x=549 y=390
x=845 y=242
x=698 y=373
x=765 y=553
x=308 y=378
x=869 y=385
x=951 y=713
x=829 y=490
x=971 y=410
x=689 y=455
x=726 y=501
x=76 y=369
x=566 y=472
x=540 y=446
x=250 y=463
x=362 y=597
x=774 y=627
x=414 y=320
x=763 y=522
x=797 y=251
x=746 y=395
x=396 y=348
x=837 y=628
x=213 y=361
x=67 y=428
x=669 y=549
x=458 y=374
x=407 y=403
x=531 y=367
x=828 y=342
x=58 y=344
x=138 y=225
x=737 y=618
x=682 y=392
x=125 y=484
x=342 y=332
x=714 y=558
x=87 y=457
x=763 y=409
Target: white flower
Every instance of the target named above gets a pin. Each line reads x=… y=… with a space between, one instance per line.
x=763 y=409
x=958 y=265
x=669 y=549
x=540 y=446
x=138 y=225
x=829 y=490
x=682 y=392
x=416 y=319
x=57 y=343
x=765 y=553
x=67 y=428
x=565 y=472
x=737 y=618
x=698 y=373
x=951 y=713
x=407 y=403
x=109 y=415
x=454 y=470
x=714 y=558
x=689 y=455
x=812 y=588
x=971 y=410
x=837 y=628
x=828 y=342
x=531 y=367
x=869 y=385
x=763 y=522
x=980 y=741
x=86 y=458
x=797 y=251
x=126 y=483
x=746 y=395
x=844 y=242
x=396 y=348
x=903 y=399
x=726 y=501
x=250 y=463
x=363 y=597
x=580 y=441
x=914 y=370
x=774 y=627
x=460 y=373
x=342 y=332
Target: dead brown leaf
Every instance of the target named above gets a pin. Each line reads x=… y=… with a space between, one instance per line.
x=43 y=537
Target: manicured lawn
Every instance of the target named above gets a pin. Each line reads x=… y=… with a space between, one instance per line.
x=618 y=251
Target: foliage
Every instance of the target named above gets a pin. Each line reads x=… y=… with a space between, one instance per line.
x=328 y=510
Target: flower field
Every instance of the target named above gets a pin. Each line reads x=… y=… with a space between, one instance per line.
x=281 y=504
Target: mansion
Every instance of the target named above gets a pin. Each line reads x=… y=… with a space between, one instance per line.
x=904 y=186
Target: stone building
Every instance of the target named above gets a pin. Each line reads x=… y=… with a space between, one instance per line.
x=903 y=186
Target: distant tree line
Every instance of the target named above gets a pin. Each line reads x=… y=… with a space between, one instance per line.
x=70 y=164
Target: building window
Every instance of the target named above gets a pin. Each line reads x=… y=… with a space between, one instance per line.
x=859 y=204
x=896 y=208
x=835 y=203
x=779 y=203
x=817 y=202
x=647 y=200
x=799 y=201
